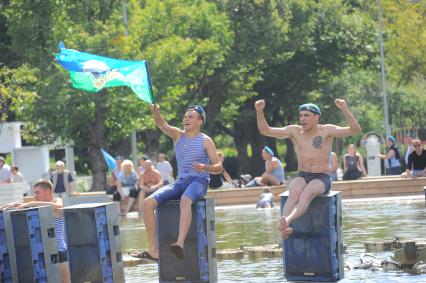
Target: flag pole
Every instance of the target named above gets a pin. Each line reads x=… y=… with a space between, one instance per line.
x=149 y=81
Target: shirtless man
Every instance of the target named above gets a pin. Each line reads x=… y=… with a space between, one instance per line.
x=149 y=181
x=312 y=143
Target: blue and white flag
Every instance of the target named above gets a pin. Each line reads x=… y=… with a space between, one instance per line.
x=92 y=72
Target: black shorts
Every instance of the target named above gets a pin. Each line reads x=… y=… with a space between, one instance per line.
x=63 y=256
x=134 y=192
x=352 y=175
x=323 y=177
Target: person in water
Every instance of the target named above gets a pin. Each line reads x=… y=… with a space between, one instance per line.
x=266 y=199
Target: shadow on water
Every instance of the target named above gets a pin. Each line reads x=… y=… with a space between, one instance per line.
x=363 y=221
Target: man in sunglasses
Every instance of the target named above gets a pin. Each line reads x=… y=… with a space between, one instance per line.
x=416 y=166
x=196 y=157
x=312 y=143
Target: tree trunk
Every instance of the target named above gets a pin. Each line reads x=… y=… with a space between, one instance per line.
x=97 y=141
x=151 y=140
x=241 y=142
x=290 y=158
x=257 y=143
x=246 y=133
x=242 y=156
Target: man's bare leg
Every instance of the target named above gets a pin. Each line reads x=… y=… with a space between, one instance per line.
x=295 y=190
x=313 y=189
x=130 y=203
x=269 y=180
x=140 y=200
x=64 y=270
x=149 y=206
x=185 y=220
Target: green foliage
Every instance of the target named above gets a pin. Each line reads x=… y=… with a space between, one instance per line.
x=222 y=54
x=184 y=41
x=17 y=89
x=405 y=27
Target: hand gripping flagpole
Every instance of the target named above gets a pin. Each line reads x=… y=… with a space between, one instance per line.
x=150 y=85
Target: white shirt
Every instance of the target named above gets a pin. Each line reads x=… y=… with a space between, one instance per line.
x=410 y=149
x=5 y=173
x=165 y=169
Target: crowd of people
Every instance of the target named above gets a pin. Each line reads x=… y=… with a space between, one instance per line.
x=136 y=184
x=11 y=174
x=200 y=165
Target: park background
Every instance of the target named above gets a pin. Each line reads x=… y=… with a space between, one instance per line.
x=222 y=54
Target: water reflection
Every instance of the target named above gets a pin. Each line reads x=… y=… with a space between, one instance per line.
x=245 y=226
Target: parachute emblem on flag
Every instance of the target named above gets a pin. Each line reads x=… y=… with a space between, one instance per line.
x=92 y=73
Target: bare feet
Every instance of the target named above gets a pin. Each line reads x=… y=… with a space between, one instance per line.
x=284 y=228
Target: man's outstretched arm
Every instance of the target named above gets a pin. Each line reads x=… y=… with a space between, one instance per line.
x=159 y=121
x=263 y=126
x=354 y=127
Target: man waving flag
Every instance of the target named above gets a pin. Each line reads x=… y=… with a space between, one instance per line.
x=92 y=72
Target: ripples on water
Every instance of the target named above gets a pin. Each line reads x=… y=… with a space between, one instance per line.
x=363 y=221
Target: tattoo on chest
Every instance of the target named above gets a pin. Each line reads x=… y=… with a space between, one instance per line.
x=317 y=142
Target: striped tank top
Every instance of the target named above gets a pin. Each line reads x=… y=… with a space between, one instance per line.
x=59 y=232
x=188 y=151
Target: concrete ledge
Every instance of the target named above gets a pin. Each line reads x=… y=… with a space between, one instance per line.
x=382 y=187
x=243 y=195
x=11 y=192
x=363 y=188
x=79 y=198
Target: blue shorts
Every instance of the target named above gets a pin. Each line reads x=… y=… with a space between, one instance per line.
x=191 y=187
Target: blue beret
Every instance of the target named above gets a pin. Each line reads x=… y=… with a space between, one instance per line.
x=310 y=107
x=392 y=139
x=200 y=111
x=269 y=150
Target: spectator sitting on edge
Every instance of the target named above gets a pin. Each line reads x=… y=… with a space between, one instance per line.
x=353 y=164
x=5 y=175
x=416 y=161
x=17 y=177
x=127 y=184
x=149 y=181
x=221 y=181
x=410 y=148
x=274 y=171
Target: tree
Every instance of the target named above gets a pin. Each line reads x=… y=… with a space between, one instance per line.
x=180 y=59
x=295 y=48
x=405 y=41
x=16 y=85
